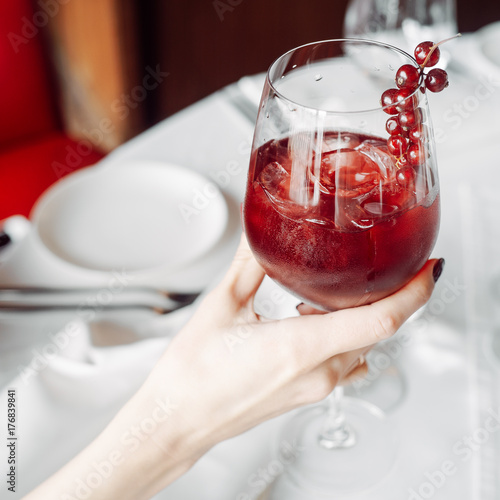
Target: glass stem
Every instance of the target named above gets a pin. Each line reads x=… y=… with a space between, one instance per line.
x=336 y=432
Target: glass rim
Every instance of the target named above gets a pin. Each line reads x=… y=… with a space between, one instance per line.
x=330 y=40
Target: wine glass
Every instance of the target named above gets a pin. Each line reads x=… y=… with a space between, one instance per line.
x=339 y=217
x=404 y=23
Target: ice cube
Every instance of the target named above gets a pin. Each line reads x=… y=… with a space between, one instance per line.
x=348 y=173
x=275 y=180
x=378 y=153
x=350 y=215
x=387 y=200
x=379 y=209
x=340 y=140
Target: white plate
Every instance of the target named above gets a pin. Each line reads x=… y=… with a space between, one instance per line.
x=134 y=216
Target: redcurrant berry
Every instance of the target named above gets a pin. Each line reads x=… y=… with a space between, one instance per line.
x=393 y=127
x=407 y=77
x=397 y=144
x=405 y=176
x=436 y=80
x=417 y=133
x=388 y=100
x=402 y=161
x=403 y=101
x=416 y=154
x=410 y=118
x=422 y=51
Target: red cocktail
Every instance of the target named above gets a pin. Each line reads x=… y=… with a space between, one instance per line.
x=361 y=230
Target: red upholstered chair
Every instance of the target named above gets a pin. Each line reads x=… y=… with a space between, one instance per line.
x=34 y=150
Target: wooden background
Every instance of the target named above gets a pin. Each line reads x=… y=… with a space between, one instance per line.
x=103 y=49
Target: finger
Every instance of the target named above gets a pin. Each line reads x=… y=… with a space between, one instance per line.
x=355 y=328
x=320 y=381
x=306 y=309
x=358 y=373
x=244 y=276
x=347 y=362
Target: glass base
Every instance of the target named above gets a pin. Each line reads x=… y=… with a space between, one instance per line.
x=318 y=471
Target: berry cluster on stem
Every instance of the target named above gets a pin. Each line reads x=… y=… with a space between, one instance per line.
x=405 y=126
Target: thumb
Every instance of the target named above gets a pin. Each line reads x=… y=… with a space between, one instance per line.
x=244 y=275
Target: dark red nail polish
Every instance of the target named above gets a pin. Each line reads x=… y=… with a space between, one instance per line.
x=438 y=269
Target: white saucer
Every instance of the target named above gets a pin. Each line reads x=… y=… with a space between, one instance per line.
x=134 y=216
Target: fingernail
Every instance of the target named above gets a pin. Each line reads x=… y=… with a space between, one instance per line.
x=438 y=269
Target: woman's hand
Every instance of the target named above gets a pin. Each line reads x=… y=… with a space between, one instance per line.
x=274 y=365
x=208 y=387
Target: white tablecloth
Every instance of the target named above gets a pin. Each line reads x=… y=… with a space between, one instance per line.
x=65 y=402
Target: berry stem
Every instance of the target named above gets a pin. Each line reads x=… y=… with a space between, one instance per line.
x=433 y=48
